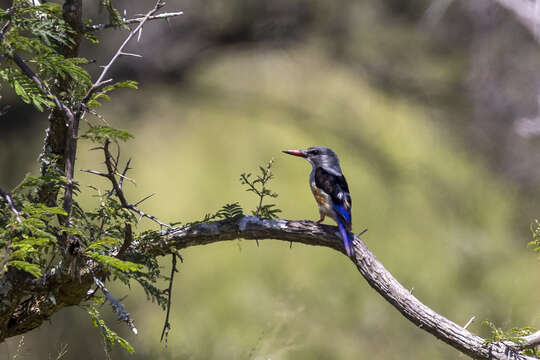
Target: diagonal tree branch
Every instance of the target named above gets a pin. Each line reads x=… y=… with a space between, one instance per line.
x=99 y=82
x=69 y=290
x=164 y=16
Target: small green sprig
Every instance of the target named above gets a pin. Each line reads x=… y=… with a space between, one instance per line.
x=259 y=186
x=514 y=335
x=535 y=230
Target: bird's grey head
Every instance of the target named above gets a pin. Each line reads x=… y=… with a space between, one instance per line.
x=319 y=156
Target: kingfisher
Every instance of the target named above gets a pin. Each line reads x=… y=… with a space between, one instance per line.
x=330 y=189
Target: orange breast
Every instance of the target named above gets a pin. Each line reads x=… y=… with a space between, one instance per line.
x=319 y=197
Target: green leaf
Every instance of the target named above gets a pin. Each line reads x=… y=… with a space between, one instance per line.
x=109 y=261
x=102 y=243
x=100 y=134
x=26 y=266
x=109 y=336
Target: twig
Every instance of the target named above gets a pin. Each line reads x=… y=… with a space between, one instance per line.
x=117 y=307
x=122 y=177
x=128 y=239
x=121 y=183
x=30 y=73
x=116 y=187
x=167 y=324
x=4 y=29
x=119 y=52
x=362 y=232
x=165 y=16
x=9 y=200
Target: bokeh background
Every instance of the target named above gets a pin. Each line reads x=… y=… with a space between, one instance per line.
x=432 y=107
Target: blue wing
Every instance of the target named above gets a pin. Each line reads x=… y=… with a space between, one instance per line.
x=338 y=190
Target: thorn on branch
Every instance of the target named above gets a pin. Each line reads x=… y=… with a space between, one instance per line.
x=131 y=54
x=121 y=183
x=145 y=198
x=94 y=172
x=469 y=322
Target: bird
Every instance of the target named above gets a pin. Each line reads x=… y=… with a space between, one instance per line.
x=330 y=189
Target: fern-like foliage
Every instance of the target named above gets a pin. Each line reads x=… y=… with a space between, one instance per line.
x=229 y=211
x=38 y=34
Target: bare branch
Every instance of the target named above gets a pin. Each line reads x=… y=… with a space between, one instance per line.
x=112 y=172
x=371 y=269
x=119 y=52
x=167 y=324
x=164 y=16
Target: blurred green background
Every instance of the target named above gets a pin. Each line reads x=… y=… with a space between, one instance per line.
x=425 y=102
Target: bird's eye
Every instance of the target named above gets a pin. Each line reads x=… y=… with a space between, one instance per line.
x=315 y=152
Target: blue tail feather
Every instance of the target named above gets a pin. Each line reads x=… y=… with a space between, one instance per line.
x=346 y=215
x=347 y=238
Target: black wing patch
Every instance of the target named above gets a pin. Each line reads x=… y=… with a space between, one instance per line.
x=335 y=186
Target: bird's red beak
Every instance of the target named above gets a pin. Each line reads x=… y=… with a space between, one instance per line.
x=300 y=153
